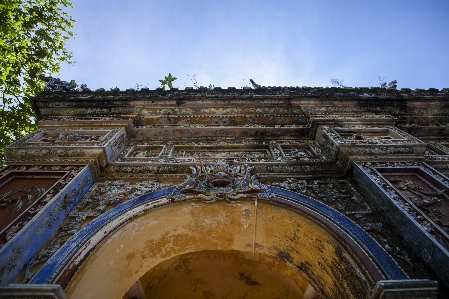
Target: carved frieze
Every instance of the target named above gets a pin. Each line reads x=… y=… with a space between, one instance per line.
x=76 y=137
x=31 y=229
x=77 y=145
x=21 y=203
x=368 y=143
x=101 y=197
x=221 y=181
x=420 y=191
x=357 y=135
x=230 y=151
x=437 y=155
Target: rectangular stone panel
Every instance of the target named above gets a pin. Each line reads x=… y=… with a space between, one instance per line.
x=21 y=194
x=422 y=194
x=142 y=152
x=231 y=152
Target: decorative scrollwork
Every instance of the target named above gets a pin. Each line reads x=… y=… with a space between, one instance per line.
x=16 y=202
x=221 y=181
x=101 y=197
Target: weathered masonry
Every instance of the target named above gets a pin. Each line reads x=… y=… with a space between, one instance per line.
x=273 y=192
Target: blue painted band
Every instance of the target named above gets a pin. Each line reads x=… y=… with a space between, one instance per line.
x=56 y=263
x=382 y=259
x=36 y=232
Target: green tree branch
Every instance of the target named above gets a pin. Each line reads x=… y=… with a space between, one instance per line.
x=33 y=34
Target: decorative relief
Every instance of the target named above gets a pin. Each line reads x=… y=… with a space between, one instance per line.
x=261 y=132
x=437 y=152
x=176 y=111
x=271 y=121
x=64 y=204
x=375 y=109
x=95 y=146
x=308 y=151
x=66 y=137
x=229 y=151
x=342 y=196
x=362 y=116
x=276 y=110
x=15 y=198
x=221 y=181
x=276 y=151
x=369 y=135
x=41 y=198
x=100 y=198
x=80 y=103
x=27 y=154
x=221 y=111
x=383 y=150
x=167 y=149
x=291 y=151
x=38 y=201
x=422 y=193
x=88 y=113
x=309 y=169
x=116 y=143
x=13 y=261
x=222 y=121
x=144 y=151
x=224 y=133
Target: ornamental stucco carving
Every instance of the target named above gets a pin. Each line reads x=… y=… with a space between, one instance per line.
x=100 y=198
x=419 y=190
x=221 y=181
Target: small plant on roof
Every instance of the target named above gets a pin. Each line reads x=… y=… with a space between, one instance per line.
x=338 y=83
x=168 y=81
x=384 y=84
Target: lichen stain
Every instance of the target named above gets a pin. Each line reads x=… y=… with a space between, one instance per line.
x=222 y=274
x=208 y=294
x=313 y=251
x=248 y=279
x=258 y=246
x=284 y=257
x=130 y=256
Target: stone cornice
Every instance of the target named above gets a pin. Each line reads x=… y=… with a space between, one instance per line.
x=283 y=92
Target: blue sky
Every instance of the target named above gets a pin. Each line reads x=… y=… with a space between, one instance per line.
x=276 y=43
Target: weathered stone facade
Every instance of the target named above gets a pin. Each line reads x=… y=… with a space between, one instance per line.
x=335 y=192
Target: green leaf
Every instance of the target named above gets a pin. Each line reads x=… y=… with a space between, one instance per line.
x=168 y=81
x=33 y=36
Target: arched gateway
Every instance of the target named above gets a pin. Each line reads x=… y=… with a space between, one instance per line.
x=280 y=200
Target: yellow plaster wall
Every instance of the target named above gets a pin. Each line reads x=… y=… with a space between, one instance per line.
x=223 y=274
x=180 y=228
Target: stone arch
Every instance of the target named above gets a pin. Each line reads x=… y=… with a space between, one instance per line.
x=222 y=274
x=106 y=257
